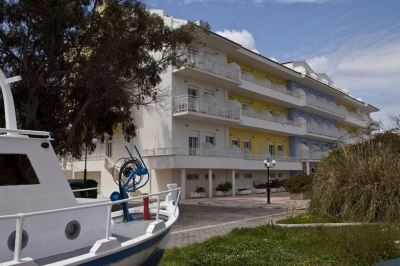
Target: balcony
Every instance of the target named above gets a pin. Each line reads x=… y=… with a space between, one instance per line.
x=315 y=155
x=356 y=119
x=205 y=158
x=324 y=107
x=205 y=109
x=325 y=132
x=267 y=120
x=264 y=88
x=205 y=68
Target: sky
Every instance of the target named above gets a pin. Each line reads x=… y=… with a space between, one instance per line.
x=356 y=42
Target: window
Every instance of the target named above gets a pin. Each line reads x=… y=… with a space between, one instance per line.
x=280 y=175
x=248 y=176
x=16 y=169
x=192 y=102
x=109 y=148
x=271 y=149
x=206 y=176
x=209 y=95
x=210 y=138
x=193 y=142
x=280 y=149
x=235 y=142
x=192 y=177
x=237 y=176
x=246 y=110
x=192 y=92
x=247 y=144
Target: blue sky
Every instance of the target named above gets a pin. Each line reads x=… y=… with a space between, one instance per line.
x=357 y=42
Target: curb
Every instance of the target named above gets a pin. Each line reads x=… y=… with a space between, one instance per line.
x=318 y=225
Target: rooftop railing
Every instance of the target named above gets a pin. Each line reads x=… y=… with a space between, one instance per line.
x=185 y=103
x=205 y=63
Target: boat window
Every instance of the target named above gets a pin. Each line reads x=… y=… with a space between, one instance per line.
x=16 y=169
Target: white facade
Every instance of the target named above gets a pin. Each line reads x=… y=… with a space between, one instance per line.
x=192 y=134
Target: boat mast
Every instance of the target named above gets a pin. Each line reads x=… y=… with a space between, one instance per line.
x=9 y=108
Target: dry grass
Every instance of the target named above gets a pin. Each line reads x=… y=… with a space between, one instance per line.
x=360 y=182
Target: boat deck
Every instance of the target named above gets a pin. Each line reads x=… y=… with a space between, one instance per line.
x=122 y=231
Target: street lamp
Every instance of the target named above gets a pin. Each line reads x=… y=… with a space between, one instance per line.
x=94 y=142
x=269 y=164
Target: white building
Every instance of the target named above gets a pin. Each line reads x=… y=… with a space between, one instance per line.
x=227 y=111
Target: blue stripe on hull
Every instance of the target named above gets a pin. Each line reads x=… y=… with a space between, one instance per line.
x=155 y=258
x=123 y=254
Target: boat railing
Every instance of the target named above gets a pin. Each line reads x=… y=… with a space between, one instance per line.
x=20 y=217
x=27 y=132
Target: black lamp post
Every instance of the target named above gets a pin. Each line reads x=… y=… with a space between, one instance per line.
x=269 y=164
x=94 y=141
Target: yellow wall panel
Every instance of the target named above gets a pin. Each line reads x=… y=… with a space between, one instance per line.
x=259 y=74
x=347 y=127
x=259 y=140
x=348 y=107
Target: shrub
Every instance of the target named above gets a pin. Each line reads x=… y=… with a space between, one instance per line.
x=360 y=182
x=275 y=183
x=298 y=184
x=227 y=186
x=259 y=186
x=200 y=190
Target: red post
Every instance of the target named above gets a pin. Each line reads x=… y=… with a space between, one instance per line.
x=146 y=210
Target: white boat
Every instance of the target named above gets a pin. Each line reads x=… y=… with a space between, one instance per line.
x=42 y=223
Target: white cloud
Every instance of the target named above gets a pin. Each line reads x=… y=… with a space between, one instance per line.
x=301 y=1
x=319 y=63
x=369 y=66
x=221 y=1
x=242 y=37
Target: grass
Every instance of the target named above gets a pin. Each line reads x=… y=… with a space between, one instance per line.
x=309 y=219
x=269 y=245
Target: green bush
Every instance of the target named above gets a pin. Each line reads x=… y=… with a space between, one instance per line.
x=200 y=190
x=225 y=187
x=360 y=182
x=298 y=184
x=259 y=186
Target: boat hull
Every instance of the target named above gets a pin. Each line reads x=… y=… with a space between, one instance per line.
x=148 y=252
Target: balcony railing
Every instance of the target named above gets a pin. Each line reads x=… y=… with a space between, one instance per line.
x=248 y=77
x=204 y=63
x=325 y=131
x=185 y=103
x=268 y=116
x=325 y=105
x=356 y=116
x=223 y=153
x=315 y=155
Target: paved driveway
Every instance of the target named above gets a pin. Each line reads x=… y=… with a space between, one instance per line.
x=202 y=219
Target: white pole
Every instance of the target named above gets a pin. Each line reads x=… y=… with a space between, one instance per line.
x=210 y=192
x=9 y=108
x=183 y=183
x=233 y=182
x=108 y=225
x=18 y=238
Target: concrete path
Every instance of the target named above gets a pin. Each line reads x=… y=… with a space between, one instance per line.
x=202 y=219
